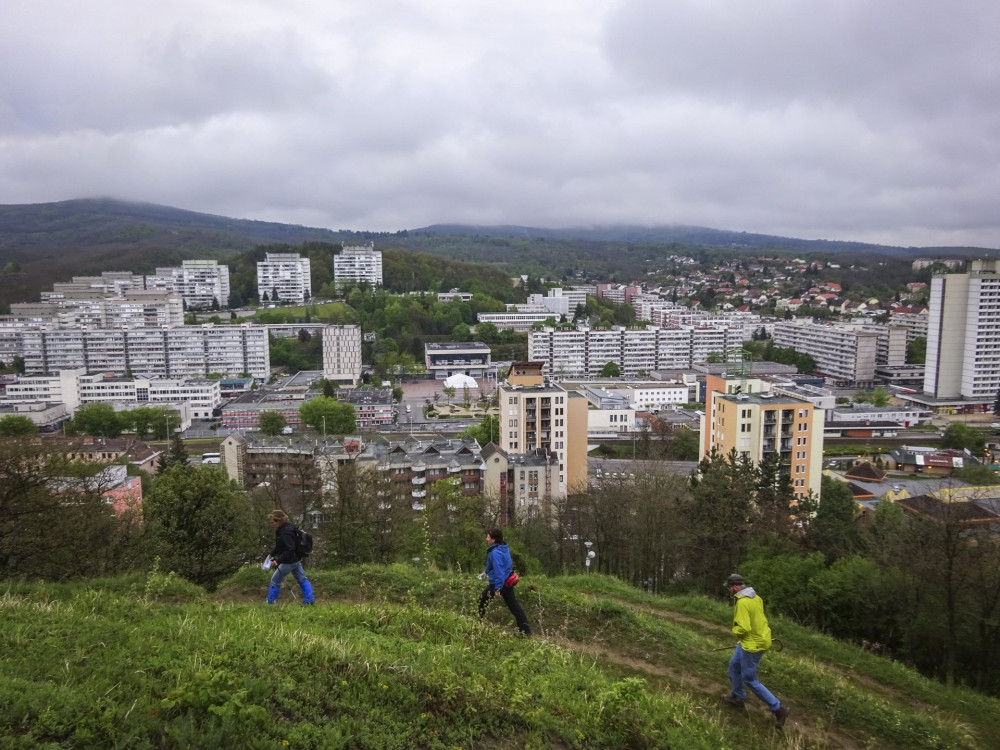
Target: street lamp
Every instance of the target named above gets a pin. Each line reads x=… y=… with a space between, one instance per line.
x=590 y=554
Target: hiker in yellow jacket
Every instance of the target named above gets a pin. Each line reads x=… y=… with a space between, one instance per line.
x=754 y=638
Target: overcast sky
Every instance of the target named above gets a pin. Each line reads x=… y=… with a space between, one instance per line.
x=871 y=120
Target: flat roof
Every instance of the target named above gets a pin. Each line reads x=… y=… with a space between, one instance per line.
x=769 y=397
x=454 y=345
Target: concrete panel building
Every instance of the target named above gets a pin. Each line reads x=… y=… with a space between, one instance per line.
x=180 y=352
x=358 y=263
x=342 y=354
x=963 y=335
x=845 y=352
x=202 y=284
x=284 y=277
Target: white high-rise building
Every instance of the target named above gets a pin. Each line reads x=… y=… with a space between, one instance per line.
x=342 y=354
x=285 y=277
x=358 y=263
x=847 y=352
x=200 y=283
x=963 y=334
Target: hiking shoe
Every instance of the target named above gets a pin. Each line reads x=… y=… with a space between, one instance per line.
x=735 y=702
x=779 y=717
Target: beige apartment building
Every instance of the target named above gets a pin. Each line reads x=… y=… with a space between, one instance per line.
x=742 y=414
x=543 y=418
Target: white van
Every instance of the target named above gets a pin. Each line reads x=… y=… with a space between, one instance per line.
x=211 y=458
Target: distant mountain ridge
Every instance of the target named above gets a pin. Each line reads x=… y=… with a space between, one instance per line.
x=95 y=222
x=46 y=242
x=91 y=222
x=685 y=234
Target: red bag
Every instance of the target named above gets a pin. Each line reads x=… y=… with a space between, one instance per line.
x=512 y=580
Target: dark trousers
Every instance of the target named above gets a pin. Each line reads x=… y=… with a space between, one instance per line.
x=510 y=599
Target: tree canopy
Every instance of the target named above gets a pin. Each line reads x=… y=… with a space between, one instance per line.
x=329 y=416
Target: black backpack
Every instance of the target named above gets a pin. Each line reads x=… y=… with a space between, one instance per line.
x=303 y=543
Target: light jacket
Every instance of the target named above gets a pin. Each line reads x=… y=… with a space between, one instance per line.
x=498 y=565
x=749 y=622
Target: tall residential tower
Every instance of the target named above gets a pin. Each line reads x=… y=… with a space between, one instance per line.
x=963 y=336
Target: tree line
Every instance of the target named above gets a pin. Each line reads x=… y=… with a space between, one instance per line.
x=923 y=589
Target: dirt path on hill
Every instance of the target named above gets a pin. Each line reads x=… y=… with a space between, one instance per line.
x=886 y=691
x=800 y=731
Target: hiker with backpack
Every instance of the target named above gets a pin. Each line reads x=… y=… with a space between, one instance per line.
x=286 y=557
x=498 y=572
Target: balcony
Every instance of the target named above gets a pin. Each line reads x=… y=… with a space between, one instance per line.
x=418 y=493
x=418 y=481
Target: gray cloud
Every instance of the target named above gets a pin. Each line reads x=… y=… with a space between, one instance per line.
x=844 y=120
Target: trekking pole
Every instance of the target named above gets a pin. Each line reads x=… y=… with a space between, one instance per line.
x=290 y=589
x=776 y=644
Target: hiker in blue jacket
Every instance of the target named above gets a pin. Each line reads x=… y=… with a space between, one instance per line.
x=285 y=559
x=498 y=567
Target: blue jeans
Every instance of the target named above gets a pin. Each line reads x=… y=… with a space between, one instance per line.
x=284 y=569
x=743 y=674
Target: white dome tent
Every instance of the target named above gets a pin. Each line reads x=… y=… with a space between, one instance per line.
x=459 y=380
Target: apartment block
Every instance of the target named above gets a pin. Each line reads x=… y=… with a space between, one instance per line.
x=114 y=283
x=963 y=336
x=92 y=309
x=285 y=277
x=74 y=388
x=524 y=485
x=299 y=470
x=184 y=351
x=202 y=284
x=342 y=354
x=745 y=416
x=583 y=352
x=846 y=352
x=538 y=416
x=358 y=263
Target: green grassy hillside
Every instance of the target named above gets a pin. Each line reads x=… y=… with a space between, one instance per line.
x=394 y=657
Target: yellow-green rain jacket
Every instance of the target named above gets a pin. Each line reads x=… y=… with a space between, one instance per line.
x=749 y=623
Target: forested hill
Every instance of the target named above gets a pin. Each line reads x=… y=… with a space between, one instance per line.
x=48 y=242
x=92 y=224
